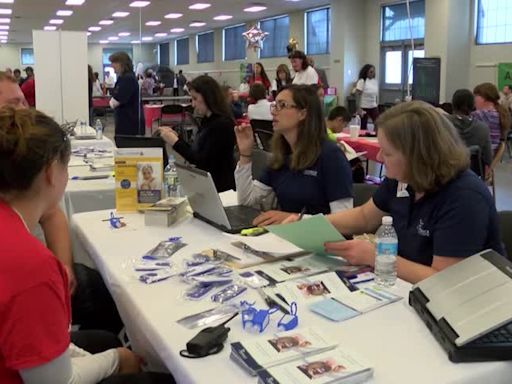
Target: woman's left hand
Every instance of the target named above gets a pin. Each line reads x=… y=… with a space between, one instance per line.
x=169 y=135
x=356 y=252
x=271 y=217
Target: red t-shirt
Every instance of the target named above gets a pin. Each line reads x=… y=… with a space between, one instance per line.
x=259 y=79
x=29 y=90
x=34 y=300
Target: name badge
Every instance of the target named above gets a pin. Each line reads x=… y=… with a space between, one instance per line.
x=310 y=172
x=401 y=190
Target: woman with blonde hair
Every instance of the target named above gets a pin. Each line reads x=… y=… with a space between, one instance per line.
x=491 y=112
x=308 y=173
x=283 y=78
x=442 y=212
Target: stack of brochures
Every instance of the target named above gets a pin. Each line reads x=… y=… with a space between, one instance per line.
x=299 y=356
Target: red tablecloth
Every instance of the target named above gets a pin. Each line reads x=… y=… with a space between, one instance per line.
x=101 y=102
x=364 y=144
x=152 y=112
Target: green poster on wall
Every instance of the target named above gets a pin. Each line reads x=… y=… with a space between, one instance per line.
x=504 y=75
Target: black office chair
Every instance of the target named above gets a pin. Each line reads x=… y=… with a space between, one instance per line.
x=476 y=161
x=263 y=140
x=505 y=221
x=260 y=161
x=362 y=193
x=172 y=109
x=262 y=125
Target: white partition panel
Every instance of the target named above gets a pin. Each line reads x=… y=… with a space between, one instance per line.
x=61 y=77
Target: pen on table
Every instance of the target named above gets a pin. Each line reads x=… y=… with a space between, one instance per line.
x=95 y=177
x=301 y=214
x=271 y=302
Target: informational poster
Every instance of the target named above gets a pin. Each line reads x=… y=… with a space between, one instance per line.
x=504 y=75
x=139 y=176
x=427 y=79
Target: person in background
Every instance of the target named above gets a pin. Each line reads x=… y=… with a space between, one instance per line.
x=8 y=71
x=125 y=101
x=29 y=87
x=148 y=84
x=491 y=112
x=506 y=97
x=337 y=120
x=322 y=76
x=472 y=131
x=367 y=90
x=442 y=212
x=213 y=146
x=308 y=173
x=175 y=89
x=244 y=85
x=34 y=338
x=259 y=76
x=304 y=73
x=109 y=82
x=234 y=103
x=97 y=90
x=182 y=80
x=283 y=78
x=90 y=84
x=17 y=76
x=261 y=109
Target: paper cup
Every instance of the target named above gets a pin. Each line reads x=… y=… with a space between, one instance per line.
x=354 y=131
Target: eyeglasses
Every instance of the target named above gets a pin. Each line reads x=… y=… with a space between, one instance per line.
x=280 y=105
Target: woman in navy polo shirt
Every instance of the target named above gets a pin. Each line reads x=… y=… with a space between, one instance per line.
x=307 y=173
x=441 y=210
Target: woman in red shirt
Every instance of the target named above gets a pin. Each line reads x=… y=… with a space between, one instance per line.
x=260 y=76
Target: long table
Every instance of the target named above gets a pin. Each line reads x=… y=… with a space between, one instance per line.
x=392 y=338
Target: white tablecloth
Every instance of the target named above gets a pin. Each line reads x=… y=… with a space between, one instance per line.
x=104 y=143
x=393 y=338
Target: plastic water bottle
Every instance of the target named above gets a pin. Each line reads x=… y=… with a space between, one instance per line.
x=99 y=129
x=357 y=120
x=387 y=248
x=171 y=181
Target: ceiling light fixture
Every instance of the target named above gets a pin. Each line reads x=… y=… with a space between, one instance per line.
x=50 y=28
x=120 y=14
x=147 y=38
x=64 y=12
x=5 y=33
x=173 y=15
x=197 y=24
x=5 y=11
x=89 y=33
x=4 y=27
x=5 y=20
x=135 y=41
x=255 y=8
x=153 y=23
x=106 y=22
x=75 y=2
x=223 y=17
x=139 y=4
x=56 y=21
x=7 y=1
x=104 y=41
x=200 y=6
x=113 y=38
x=160 y=34
x=124 y=34
x=94 y=29
x=177 y=30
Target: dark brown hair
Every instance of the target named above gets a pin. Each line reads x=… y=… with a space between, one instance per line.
x=124 y=59
x=257 y=92
x=212 y=94
x=311 y=133
x=433 y=150
x=29 y=142
x=263 y=74
x=283 y=68
x=489 y=92
x=300 y=55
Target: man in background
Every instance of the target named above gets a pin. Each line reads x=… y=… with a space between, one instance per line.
x=29 y=87
x=506 y=97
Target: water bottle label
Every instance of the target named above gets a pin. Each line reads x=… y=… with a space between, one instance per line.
x=390 y=249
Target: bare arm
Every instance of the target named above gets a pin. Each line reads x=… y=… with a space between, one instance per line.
x=363 y=219
x=414 y=272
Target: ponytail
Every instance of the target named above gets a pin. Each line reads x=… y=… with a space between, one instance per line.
x=504 y=120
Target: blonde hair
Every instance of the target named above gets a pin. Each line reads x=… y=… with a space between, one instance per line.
x=433 y=150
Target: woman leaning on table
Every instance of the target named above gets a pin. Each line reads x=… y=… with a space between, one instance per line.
x=441 y=211
x=307 y=172
x=35 y=308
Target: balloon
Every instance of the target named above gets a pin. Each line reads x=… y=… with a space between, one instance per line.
x=254 y=37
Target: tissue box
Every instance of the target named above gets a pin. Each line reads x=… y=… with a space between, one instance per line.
x=165 y=212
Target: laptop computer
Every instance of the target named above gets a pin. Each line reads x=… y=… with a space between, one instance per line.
x=468 y=307
x=206 y=204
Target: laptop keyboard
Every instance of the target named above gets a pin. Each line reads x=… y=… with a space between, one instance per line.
x=241 y=217
x=501 y=335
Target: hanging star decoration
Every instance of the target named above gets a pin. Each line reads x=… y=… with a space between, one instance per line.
x=254 y=37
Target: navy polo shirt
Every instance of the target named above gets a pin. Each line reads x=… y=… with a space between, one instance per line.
x=328 y=179
x=459 y=220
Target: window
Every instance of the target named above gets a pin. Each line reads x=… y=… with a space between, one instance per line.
x=277 y=40
x=163 y=54
x=393 y=67
x=318 y=31
x=494 y=24
x=182 y=51
x=108 y=51
x=234 y=43
x=395 y=21
x=204 y=47
x=27 y=56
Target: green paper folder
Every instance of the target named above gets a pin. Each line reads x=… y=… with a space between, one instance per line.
x=309 y=234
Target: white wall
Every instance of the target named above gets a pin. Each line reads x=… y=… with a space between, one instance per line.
x=10 y=56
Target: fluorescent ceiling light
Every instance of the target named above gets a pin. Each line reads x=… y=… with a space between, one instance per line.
x=103 y=41
x=106 y=22
x=255 y=8
x=94 y=29
x=120 y=14
x=177 y=30
x=4 y=27
x=5 y=11
x=173 y=15
x=64 y=12
x=113 y=38
x=7 y=1
x=223 y=17
x=160 y=34
x=3 y=41
x=56 y=21
x=135 y=41
x=197 y=24
x=153 y=23
x=50 y=28
x=89 y=33
x=75 y=2
x=5 y=20
x=139 y=4
x=124 y=33
x=147 y=38
x=5 y=33
x=200 y=6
